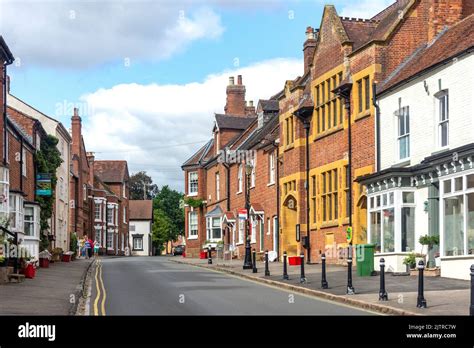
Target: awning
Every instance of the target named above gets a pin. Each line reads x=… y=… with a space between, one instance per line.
x=257 y=209
x=228 y=218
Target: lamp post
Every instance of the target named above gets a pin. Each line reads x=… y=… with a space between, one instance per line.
x=344 y=92
x=304 y=113
x=248 y=256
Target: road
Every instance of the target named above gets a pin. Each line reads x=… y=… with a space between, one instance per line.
x=158 y=286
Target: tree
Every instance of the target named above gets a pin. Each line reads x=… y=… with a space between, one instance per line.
x=142 y=187
x=47 y=161
x=162 y=227
x=169 y=202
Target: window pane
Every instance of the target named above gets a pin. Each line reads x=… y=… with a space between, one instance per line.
x=384 y=199
x=335 y=206
x=390 y=198
x=404 y=147
x=470 y=223
x=470 y=181
x=388 y=230
x=375 y=230
x=444 y=134
x=408 y=229
x=408 y=197
x=458 y=184
x=453 y=226
x=377 y=201
x=371 y=202
x=447 y=186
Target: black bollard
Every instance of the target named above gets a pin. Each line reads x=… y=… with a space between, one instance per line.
x=254 y=261
x=350 y=288
x=285 y=269
x=267 y=271
x=302 y=277
x=421 y=302
x=209 y=256
x=471 y=312
x=383 y=296
x=324 y=283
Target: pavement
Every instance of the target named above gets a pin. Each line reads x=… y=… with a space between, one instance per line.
x=158 y=286
x=53 y=291
x=444 y=296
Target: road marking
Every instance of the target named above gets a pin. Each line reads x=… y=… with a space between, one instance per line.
x=96 y=301
x=100 y=288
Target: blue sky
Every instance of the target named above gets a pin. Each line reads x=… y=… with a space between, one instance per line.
x=124 y=62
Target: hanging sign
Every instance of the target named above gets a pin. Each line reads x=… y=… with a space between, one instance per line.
x=43 y=184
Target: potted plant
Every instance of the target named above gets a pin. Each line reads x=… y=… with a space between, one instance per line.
x=410 y=261
x=429 y=242
x=56 y=254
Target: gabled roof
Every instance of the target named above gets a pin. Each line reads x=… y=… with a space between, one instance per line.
x=111 y=171
x=141 y=209
x=199 y=155
x=270 y=105
x=448 y=44
x=225 y=121
x=5 y=51
x=255 y=139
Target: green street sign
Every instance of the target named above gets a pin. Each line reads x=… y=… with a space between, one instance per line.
x=349 y=234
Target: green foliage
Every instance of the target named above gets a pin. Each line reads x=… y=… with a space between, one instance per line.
x=410 y=260
x=73 y=242
x=47 y=160
x=162 y=226
x=194 y=202
x=430 y=241
x=142 y=187
x=168 y=203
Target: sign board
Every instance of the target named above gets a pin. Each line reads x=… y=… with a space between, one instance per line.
x=43 y=184
x=349 y=234
x=242 y=214
x=298 y=233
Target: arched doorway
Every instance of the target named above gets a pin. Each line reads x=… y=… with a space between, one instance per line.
x=289 y=219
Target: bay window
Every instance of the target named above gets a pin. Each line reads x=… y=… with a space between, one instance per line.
x=384 y=232
x=214 y=231
x=458 y=215
x=4 y=189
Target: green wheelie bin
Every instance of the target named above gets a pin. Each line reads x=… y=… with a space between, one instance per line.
x=365 y=259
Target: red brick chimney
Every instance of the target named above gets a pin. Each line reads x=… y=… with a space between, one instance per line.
x=76 y=130
x=90 y=160
x=309 y=47
x=446 y=13
x=250 y=108
x=235 y=103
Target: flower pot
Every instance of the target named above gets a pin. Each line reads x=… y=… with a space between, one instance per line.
x=66 y=258
x=29 y=271
x=294 y=260
x=44 y=263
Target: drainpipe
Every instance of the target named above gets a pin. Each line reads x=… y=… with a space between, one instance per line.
x=4 y=91
x=308 y=231
x=377 y=126
x=276 y=144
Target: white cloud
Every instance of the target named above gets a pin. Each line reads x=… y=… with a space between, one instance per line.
x=143 y=123
x=363 y=8
x=85 y=33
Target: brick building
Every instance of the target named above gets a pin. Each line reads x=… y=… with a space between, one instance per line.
x=216 y=179
x=345 y=55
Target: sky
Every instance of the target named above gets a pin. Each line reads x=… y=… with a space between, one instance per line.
x=148 y=75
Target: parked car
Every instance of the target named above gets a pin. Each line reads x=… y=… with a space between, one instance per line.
x=178 y=250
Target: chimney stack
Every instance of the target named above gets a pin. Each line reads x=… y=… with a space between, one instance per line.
x=309 y=48
x=90 y=160
x=76 y=133
x=235 y=102
x=250 y=109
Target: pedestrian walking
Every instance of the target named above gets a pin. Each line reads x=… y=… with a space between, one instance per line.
x=96 y=248
x=87 y=247
x=82 y=247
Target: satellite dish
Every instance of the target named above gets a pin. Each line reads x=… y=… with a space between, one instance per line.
x=272 y=256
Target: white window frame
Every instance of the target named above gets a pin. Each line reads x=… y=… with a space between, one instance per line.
x=271 y=164
x=253 y=234
x=241 y=235
x=193 y=226
x=240 y=178
x=136 y=239
x=397 y=205
x=404 y=113
x=210 y=228
x=193 y=183
x=463 y=192
x=442 y=122
x=124 y=215
x=110 y=241
x=34 y=222
x=16 y=210
x=97 y=212
x=24 y=162
x=110 y=214
x=218 y=187
x=124 y=190
x=4 y=190
x=84 y=191
x=252 y=174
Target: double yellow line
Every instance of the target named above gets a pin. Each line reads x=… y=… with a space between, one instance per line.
x=99 y=284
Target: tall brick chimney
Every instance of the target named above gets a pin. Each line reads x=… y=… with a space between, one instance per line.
x=446 y=13
x=309 y=47
x=235 y=103
x=76 y=132
x=90 y=160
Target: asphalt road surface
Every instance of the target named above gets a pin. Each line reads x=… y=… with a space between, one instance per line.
x=158 y=286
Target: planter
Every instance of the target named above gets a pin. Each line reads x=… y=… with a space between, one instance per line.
x=29 y=271
x=428 y=272
x=203 y=255
x=66 y=258
x=44 y=263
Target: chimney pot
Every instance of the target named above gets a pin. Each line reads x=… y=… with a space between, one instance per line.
x=239 y=79
x=231 y=81
x=76 y=111
x=251 y=103
x=309 y=33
